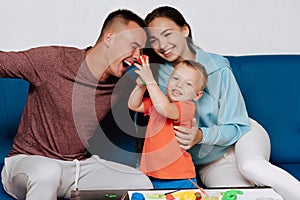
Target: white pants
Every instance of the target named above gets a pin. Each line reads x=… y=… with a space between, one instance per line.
x=37 y=177
x=247 y=164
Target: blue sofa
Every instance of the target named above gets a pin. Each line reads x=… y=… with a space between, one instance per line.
x=269 y=83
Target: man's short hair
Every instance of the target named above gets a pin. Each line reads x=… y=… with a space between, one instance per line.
x=122 y=16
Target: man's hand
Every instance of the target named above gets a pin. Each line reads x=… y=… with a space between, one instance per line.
x=188 y=137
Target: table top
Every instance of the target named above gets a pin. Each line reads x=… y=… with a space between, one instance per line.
x=99 y=195
x=248 y=194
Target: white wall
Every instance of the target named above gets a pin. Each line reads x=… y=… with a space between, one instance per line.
x=231 y=27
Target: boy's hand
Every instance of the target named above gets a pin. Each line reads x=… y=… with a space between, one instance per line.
x=144 y=70
x=144 y=57
x=140 y=82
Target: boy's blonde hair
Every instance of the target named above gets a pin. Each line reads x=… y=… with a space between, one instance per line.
x=197 y=66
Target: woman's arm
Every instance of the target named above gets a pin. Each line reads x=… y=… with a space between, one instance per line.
x=231 y=118
x=188 y=137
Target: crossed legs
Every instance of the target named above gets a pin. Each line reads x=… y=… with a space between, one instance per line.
x=247 y=164
x=252 y=155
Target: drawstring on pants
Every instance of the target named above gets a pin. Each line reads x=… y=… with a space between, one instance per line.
x=77 y=173
x=138 y=159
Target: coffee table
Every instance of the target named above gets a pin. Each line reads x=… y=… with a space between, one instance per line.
x=99 y=195
x=263 y=193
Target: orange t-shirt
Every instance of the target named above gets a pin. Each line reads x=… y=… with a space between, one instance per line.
x=162 y=157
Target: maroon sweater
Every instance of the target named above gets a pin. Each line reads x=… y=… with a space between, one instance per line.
x=65 y=101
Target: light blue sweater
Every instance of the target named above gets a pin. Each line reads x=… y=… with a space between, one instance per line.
x=220 y=112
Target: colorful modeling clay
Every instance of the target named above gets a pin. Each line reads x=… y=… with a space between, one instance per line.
x=231 y=194
x=137 y=196
x=188 y=195
x=198 y=196
x=111 y=196
x=170 y=197
x=139 y=59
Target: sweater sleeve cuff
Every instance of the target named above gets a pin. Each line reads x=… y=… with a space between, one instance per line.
x=204 y=135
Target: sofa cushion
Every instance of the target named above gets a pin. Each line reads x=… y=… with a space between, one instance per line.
x=13 y=96
x=270 y=86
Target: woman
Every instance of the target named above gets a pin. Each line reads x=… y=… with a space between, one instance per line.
x=220 y=146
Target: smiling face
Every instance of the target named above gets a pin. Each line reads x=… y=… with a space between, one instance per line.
x=184 y=84
x=168 y=39
x=124 y=48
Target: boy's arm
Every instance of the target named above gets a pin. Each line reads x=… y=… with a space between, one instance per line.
x=160 y=102
x=135 y=101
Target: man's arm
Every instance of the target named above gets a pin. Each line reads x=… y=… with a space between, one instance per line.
x=28 y=65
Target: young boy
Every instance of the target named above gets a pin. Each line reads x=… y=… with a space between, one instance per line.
x=167 y=165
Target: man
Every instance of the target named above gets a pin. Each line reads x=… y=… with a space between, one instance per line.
x=70 y=92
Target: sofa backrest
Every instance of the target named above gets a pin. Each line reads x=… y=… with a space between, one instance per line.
x=13 y=96
x=270 y=86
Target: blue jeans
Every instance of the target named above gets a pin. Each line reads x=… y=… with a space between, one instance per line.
x=173 y=183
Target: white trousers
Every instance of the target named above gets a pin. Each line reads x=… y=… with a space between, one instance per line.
x=247 y=164
x=36 y=177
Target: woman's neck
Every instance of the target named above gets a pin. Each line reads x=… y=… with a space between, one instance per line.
x=189 y=55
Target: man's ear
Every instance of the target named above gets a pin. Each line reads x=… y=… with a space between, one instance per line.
x=198 y=95
x=107 y=39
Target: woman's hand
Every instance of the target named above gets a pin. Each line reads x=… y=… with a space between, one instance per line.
x=188 y=137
